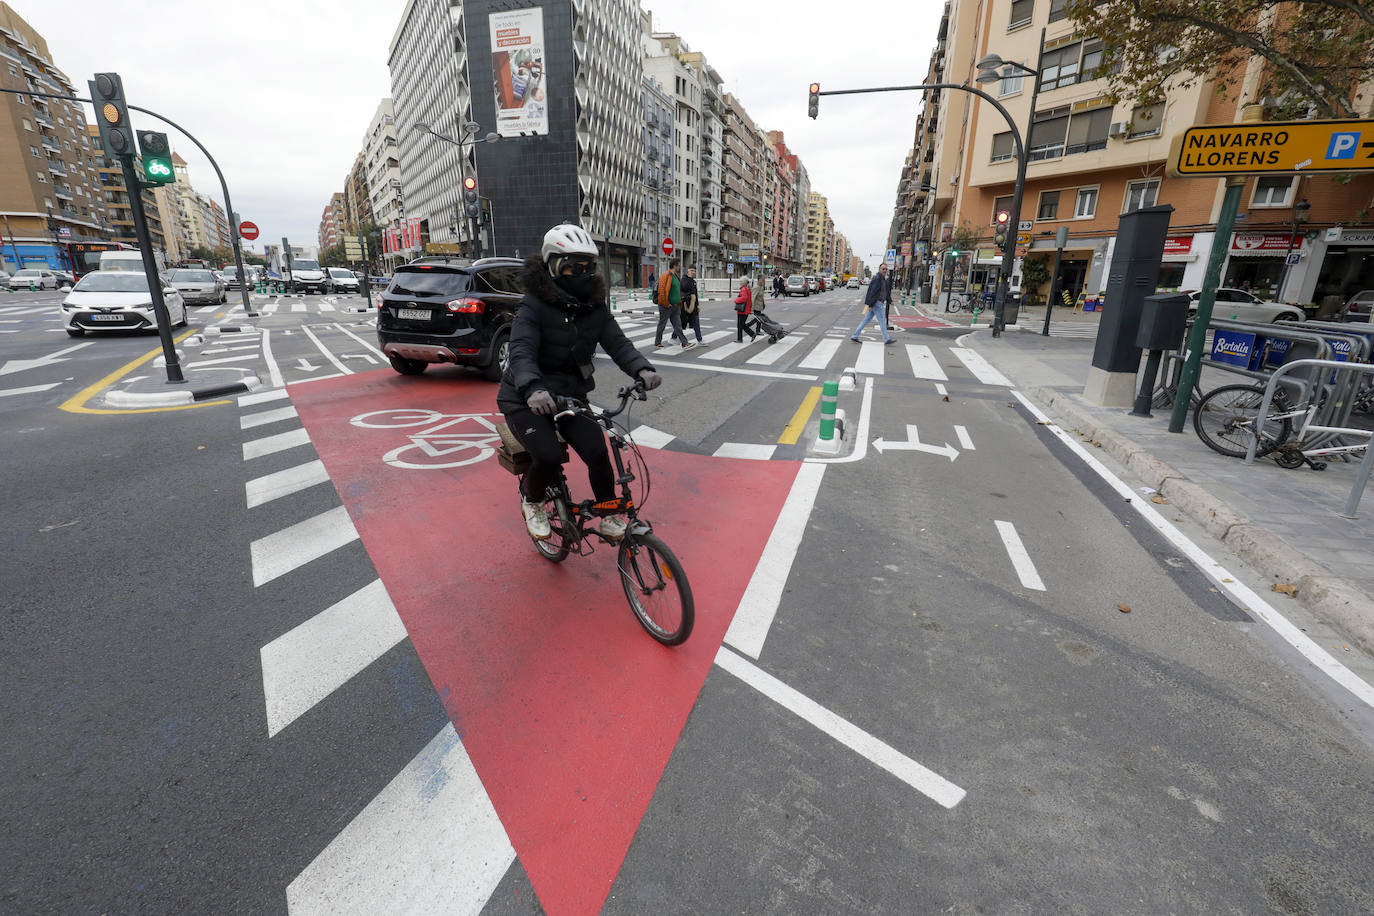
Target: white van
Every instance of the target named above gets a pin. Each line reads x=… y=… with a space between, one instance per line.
x=129 y=259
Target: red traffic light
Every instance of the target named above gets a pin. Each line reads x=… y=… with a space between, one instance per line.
x=469 y=183
x=1003 y=217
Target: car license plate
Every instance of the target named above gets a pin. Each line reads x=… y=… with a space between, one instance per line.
x=413 y=314
x=107 y=317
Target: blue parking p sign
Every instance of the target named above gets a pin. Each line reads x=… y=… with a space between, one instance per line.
x=1343 y=145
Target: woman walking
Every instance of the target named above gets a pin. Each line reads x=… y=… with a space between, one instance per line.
x=744 y=307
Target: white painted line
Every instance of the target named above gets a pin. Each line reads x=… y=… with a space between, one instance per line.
x=269 y=445
x=820 y=355
x=214 y=351
x=774 y=352
x=282 y=551
x=980 y=367
x=262 y=397
x=298 y=306
x=942 y=391
x=924 y=364
x=876 y=751
x=264 y=489
x=1246 y=597
x=28 y=390
x=759 y=605
x=269 y=309
x=648 y=437
x=871 y=358
x=964 y=441
x=360 y=340
x=326 y=307
x=273 y=370
x=302 y=667
x=721 y=370
x=325 y=350
x=262 y=418
x=223 y=359
x=745 y=450
x=860 y=435
x=430 y=842
x=714 y=336
x=1020 y=559
x=729 y=349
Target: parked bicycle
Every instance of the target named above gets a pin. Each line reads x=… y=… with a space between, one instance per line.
x=957 y=302
x=654 y=582
x=1225 y=419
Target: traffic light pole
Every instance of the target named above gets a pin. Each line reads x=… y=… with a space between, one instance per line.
x=134 y=189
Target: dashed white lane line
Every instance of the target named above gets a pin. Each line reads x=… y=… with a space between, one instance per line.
x=964 y=441
x=272 y=486
x=200 y=363
x=759 y=605
x=268 y=445
x=820 y=355
x=263 y=417
x=262 y=397
x=880 y=753
x=745 y=450
x=1020 y=559
x=942 y=391
x=27 y=390
x=360 y=340
x=774 y=352
x=298 y=306
x=303 y=666
x=430 y=842
x=282 y=551
x=924 y=364
x=980 y=367
x=871 y=358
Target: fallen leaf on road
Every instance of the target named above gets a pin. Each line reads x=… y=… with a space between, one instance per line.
x=1285 y=588
x=946 y=399
x=1124 y=608
x=200 y=448
x=1096 y=444
x=1159 y=500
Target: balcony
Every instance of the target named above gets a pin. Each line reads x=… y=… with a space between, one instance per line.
x=44 y=120
x=49 y=142
x=62 y=193
x=56 y=167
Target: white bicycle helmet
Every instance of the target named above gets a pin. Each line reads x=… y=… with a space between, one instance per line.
x=564 y=241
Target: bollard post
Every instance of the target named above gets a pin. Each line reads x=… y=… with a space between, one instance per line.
x=613 y=300
x=829 y=397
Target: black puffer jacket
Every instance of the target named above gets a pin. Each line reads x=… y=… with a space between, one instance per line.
x=554 y=338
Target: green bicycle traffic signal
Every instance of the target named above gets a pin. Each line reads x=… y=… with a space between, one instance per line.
x=157 y=157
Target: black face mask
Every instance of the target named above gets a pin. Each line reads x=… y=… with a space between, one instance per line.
x=580 y=288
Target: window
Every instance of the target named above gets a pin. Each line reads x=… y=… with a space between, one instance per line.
x=1086 y=204
x=1048 y=132
x=1001 y=203
x=1088 y=131
x=1010 y=85
x=41 y=177
x=27 y=125
x=1060 y=67
x=1057 y=11
x=1001 y=146
x=1271 y=192
x=1146 y=120
x=1021 y=12
x=1141 y=194
x=34 y=150
x=14 y=70
x=1049 y=205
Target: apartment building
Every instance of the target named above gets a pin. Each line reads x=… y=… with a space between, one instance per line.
x=332 y=231
x=742 y=216
x=817 y=216
x=1092 y=159
x=117 y=210
x=663 y=61
x=357 y=198
x=660 y=113
x=382 y=165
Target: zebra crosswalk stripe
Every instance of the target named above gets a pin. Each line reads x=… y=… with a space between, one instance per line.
x=774 y=352
x=821 y=354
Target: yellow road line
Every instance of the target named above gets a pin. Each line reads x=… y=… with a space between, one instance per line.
x=793 y=430
x=77 y=402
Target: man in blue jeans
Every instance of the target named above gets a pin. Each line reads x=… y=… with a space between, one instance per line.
x=878 y=298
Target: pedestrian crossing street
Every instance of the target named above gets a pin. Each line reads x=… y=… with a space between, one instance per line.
x=800 y=350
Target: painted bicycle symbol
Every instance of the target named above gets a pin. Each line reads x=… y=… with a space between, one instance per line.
x=448 y=441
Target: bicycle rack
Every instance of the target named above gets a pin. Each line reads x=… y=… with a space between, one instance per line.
x=1362 y=476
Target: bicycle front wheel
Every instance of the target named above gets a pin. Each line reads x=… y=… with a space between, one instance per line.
x=1225 y=420
x=556 y=546
x=656 y=588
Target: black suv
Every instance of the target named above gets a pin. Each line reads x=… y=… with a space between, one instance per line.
x=450 y=310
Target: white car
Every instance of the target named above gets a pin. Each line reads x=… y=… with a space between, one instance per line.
x=813 y=284
x=40 y=278
x=342 y=280
x=1239 y=305
x=853 y=283
x=109 y=300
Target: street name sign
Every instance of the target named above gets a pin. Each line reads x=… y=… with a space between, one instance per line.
x=1272 y=148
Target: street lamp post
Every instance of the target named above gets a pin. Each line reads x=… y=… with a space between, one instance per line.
x=1299 y=216
x=470 y=130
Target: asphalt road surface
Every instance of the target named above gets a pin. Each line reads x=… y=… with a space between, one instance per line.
x=292 y=651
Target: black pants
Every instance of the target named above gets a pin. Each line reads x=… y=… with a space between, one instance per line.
x=744 y=323
x=692 y=320
x=537 y=433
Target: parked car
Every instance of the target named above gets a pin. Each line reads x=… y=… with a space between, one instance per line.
x=341 y=280
x=450 y=310
x=853 y=283
x=1244 y=306
x=1358 y=306
x=110 y=300
x=39 y=277
x=796 y=285
x=813 y=284
x=199 y=286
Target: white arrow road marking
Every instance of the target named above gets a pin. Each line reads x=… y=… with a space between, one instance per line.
x=5 y=392
x=305 y=366
x=914 y=444
x=19 y=365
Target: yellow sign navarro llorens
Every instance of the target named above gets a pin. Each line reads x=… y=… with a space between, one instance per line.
x=1272 y=148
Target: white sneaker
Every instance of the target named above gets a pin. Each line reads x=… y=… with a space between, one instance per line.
x=688 y=345
x=612 y=527
x=536 y=520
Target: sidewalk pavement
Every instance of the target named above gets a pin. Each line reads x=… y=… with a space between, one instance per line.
x=1285 y=524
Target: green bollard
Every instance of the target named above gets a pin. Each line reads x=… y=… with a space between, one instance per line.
x=830 y=393
x=613 y=305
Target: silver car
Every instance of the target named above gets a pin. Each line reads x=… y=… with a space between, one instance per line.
x=197 y=285
x=1241 y=305
x=36 y=277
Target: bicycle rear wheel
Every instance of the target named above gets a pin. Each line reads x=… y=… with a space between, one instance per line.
x=556 y=546
x=656 y=588
x=1225 y=420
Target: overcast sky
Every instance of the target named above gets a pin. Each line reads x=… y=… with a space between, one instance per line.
x=281 y=92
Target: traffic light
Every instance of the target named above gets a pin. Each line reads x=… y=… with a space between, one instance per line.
x=470 y=199
x=157 y=157
x=1002 y=224
x=813 y=106
x=112 y=114
x=486 y=210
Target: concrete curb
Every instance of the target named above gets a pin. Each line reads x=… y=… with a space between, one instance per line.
x=131 y=400
x=1332 y=599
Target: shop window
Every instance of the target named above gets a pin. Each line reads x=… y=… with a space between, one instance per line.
x=1048 y=133
x=1141 y=194
x=1085 y=206
x=1146 y=121
x=1001 y=146
x=1049 y=205
x=1088 y=131
x=1170 y=275
x=1021 y=13
x=1271 y=192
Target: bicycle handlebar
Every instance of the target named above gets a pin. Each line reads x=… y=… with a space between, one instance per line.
x=571 y=407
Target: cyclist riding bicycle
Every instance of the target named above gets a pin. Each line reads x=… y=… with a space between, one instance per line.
x=562 y=319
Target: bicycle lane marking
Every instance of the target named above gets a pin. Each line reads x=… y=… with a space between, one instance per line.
x=567 y=709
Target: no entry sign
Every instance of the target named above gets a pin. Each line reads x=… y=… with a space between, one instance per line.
x=668 y=246
x=248 y=230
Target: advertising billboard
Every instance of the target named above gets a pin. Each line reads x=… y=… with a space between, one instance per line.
x=517 y=62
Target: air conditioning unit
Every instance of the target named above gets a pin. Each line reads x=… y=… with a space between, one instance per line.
x=1118 y=129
